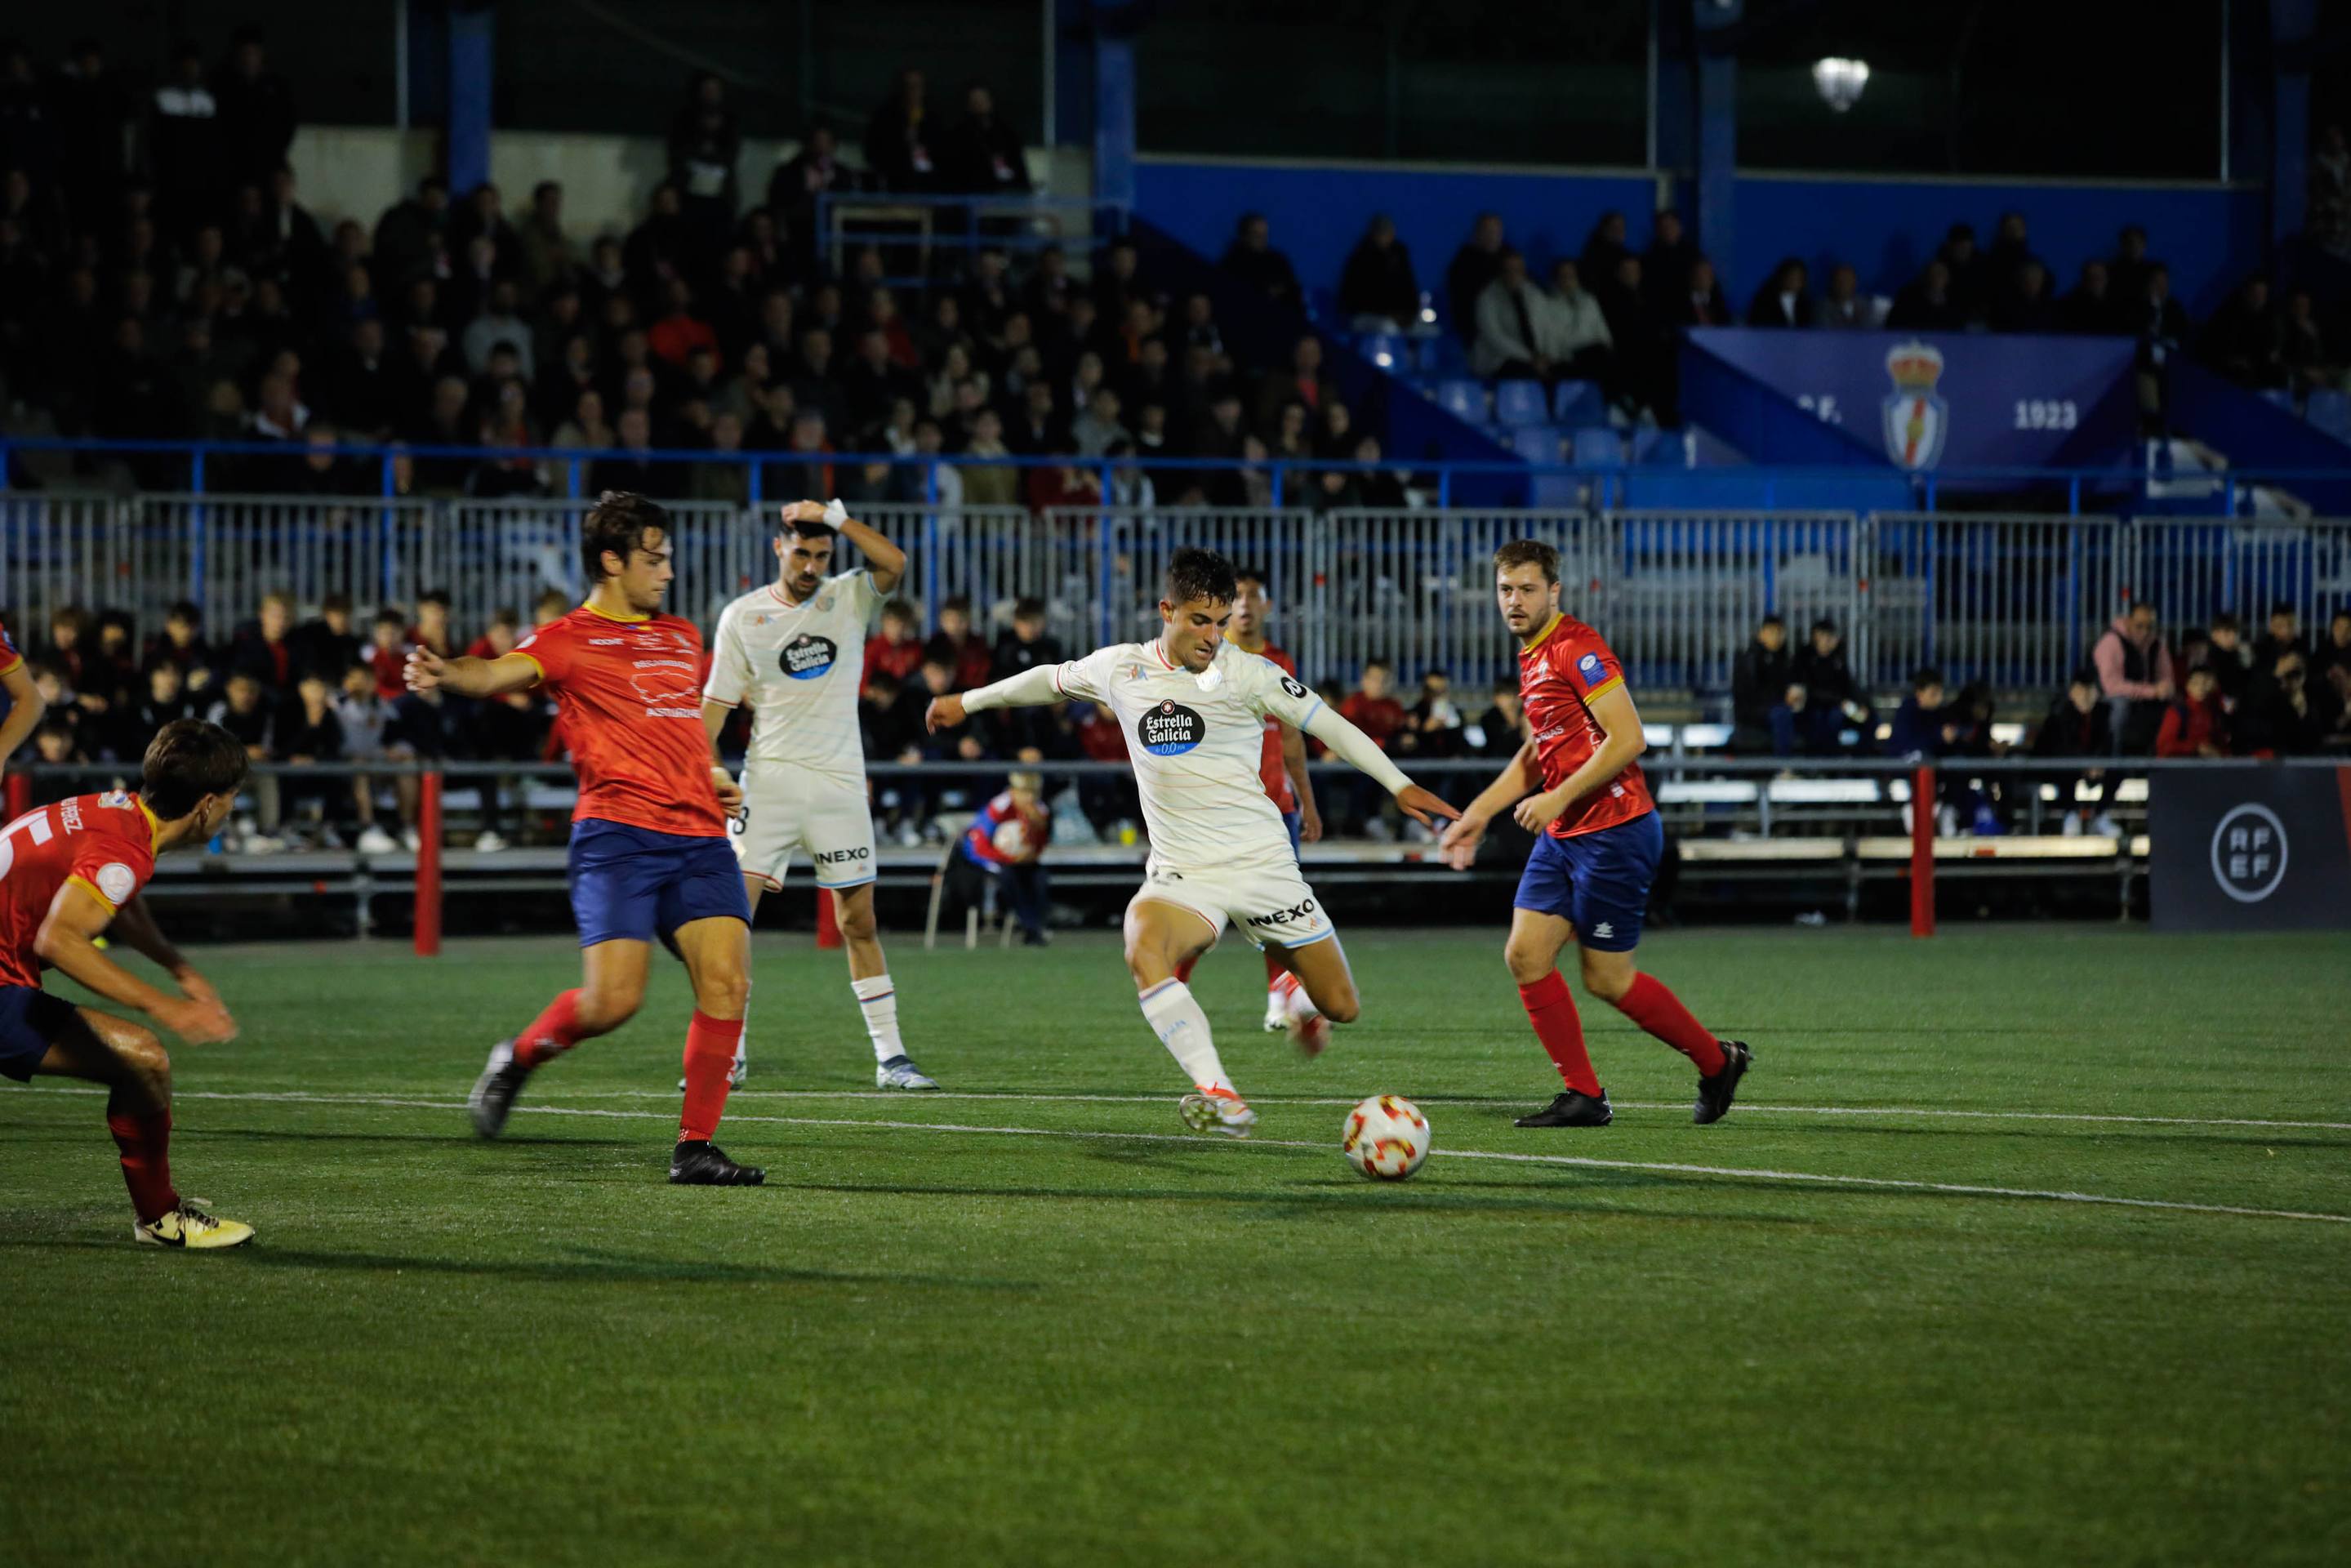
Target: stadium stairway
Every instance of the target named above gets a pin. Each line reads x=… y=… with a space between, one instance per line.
x=2233 y=428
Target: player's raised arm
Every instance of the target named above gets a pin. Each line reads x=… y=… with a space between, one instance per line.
x=1041 y=687
x=1613 y=710
x=884 y=560
x=1521 y=774
x=428 y=671
x=68 y=943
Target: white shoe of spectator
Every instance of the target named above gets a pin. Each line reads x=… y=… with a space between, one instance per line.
x=488 y=844
x=411 y=840
x=262 y=844
x=1947 y=821
x=2072 y=826
x=2104 y=827
x=376 y=842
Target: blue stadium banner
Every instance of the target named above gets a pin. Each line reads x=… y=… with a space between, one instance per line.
x=2250 y=849
x=1932 y=401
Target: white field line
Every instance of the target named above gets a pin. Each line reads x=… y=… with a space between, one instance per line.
x=902 y=1096
x=1888 y=1184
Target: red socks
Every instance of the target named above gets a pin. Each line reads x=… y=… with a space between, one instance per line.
x=552 y=1032
x=1656 y=1010
x=1273 y=970
x=1184 y=970
x=1553 y=1012
x=709 y=1058
x=146 y=1143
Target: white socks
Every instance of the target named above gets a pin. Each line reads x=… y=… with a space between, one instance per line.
x=1183 y=1028
x=877 y=999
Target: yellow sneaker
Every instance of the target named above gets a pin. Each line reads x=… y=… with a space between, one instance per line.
x=188 y=1226
x=1217 y=1111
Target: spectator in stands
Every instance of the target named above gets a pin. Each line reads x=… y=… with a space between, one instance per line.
x=1791 y=723
x=2077 y=725
x=2336 y=651
x=363 y=714
x=260 y=649
x=1433 y=726
x=2162 y=326
x=1638 y=335
x=2312 y=356
x=2091 y=310
x=1303 y=384
x=2226 y=655
x=1834 y=698
x=1251 y=261
x=184 y=142
x=2242 y=342
x=899 y=138
x=248 y=712
x=328 y=645
x=1785 y=300
x=705 y=141
x=1377 y=290
x=1005 y=844
x=1921 y=728
x=2023 y=304
x=2193 y=723
x=1506 y=348
x=2277 y=717
x=56 y=744
x=1604 y=246
x=387 y=652
x=1666 y=262
x=1926 y=304
x=2134 y=676
x=982 y=154
x=166 y=699
x=1473 y=266
x=793 y=191
x=1702 y=303
x=255 y=113
x=2131 y=266
x=895 y=650
x=1372 y=708
x=963 y=649
x=1971 y=285
x=1759 y=675
x=1571 y=332
x=313 y=733
x=182 y=644
x=2282 y=637
x=1501 y=729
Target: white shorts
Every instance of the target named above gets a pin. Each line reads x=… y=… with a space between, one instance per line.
x=1268 y=902
x=788 y=810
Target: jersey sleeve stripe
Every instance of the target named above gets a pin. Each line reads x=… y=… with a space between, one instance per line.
x=533 y=663
x=1310 y=713
x=14 y=662
x=1610 y=685
x=91 y=888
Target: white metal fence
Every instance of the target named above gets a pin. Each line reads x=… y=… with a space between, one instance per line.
x=2015 y=601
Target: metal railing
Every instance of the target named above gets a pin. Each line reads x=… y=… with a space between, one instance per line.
x=2014 y=600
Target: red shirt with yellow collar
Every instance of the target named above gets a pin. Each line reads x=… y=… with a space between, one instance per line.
x=1557 y=677
x=628 y=698
x=106 y=842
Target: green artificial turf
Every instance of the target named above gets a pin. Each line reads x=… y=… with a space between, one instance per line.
x=935 y=1339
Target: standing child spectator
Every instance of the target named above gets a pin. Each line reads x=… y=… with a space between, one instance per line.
x=363 y=714
x=1005 y=844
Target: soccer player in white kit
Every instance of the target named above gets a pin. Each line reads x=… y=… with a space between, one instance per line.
x=1193 y=707
x=795 y=650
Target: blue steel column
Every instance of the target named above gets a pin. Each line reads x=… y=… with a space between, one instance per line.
x=2293 y=24
x=1114 y=103
x=471 y=36
x=1717 y=137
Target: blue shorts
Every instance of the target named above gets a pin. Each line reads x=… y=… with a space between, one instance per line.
x=30 y=1022
x=1292 y=821
x=1600 y=880
x=635 y=885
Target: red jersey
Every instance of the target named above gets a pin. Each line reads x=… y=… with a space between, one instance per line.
x=1269 y=771
x=106 y=842
x=628 y=700
x=1557 y=677
x=9 y=657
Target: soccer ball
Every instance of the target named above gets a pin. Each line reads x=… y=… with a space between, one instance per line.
x=1012 y=837
x=1386 y=1137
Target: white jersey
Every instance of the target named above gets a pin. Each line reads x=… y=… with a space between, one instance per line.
x=1197 y=742
x=799 y=667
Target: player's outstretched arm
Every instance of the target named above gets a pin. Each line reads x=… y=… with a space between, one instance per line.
x=1521 y=774
x=1038 y=687
x=1613 y=711
x=1352 y=746
x=26 y=709
x=886 y=560
x=68 y=942
x=428 y=671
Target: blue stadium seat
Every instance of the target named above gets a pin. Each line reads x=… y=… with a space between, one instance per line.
x=2330 y=412
x=1520 y=403
x=1536 y=443
x=2278 y=397
x=1386 y=351
x=1464 y=400
x=1443 y=353
x=1578 y=403
x=1601 y=448
x=1654 y=448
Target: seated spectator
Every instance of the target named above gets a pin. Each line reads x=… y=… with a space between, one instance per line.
x=246 y=711
x=167 y=699
x=54 y=745
x=2226 y=655
x=1005 y=845
x=1372 y=708
x=2160 y=324
x=1303 y=382
x=1789 y=722
x=1501 y=729
x=2077 y=725
x=2024 y=304
x=635 y=468
x=2135 y=677
x=1926 y=304
x=1972 y=290
x=363 y=713
x=1097 y=429
x=1251 y=261
x=500 y=325
x=1921 y=728
x=894 y=650
x=1666 y=262
x=2242 y=341
x=1603 y=245
x=2335 y=653
x=1477 y=264
x=959 y=645
x=64 y=652
x=2193 y=724
x=387 y=653
x=1759 y=676
x=1572 y=331
x=1701 y=302
x=1433 y=726
x=260 y=649
x=313 y=733
x=1377 y=290
x=2283 y=637
x=2312 y=355
x=2277 y=717
x=1833 y=696
x=1785 y=300
x=1506 y=347
x=329 y=644
x=2090 y=310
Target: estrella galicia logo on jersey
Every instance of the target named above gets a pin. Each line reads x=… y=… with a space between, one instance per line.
x=1285 y=916
x=805 y=658
x=1291 y=685
x=1170 y=729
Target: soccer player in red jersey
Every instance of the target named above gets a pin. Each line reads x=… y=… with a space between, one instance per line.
x=1596 y=851
x=649 y=852
x=1281 y=768
x=67 y=873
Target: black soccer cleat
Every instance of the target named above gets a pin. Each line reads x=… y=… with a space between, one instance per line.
x=1714 y=1094
x=495 y=1090
x=702 y=1162
x=1572 y=1109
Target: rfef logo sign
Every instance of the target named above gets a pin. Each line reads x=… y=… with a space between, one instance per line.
x=2250 y=849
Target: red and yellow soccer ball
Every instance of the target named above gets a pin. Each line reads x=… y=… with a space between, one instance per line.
x=1386 y=1137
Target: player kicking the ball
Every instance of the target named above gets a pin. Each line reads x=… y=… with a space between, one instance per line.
x=69 y=871
x=1597 y=850
x=648 y=853
x=1193 y=707
x=795 y=650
